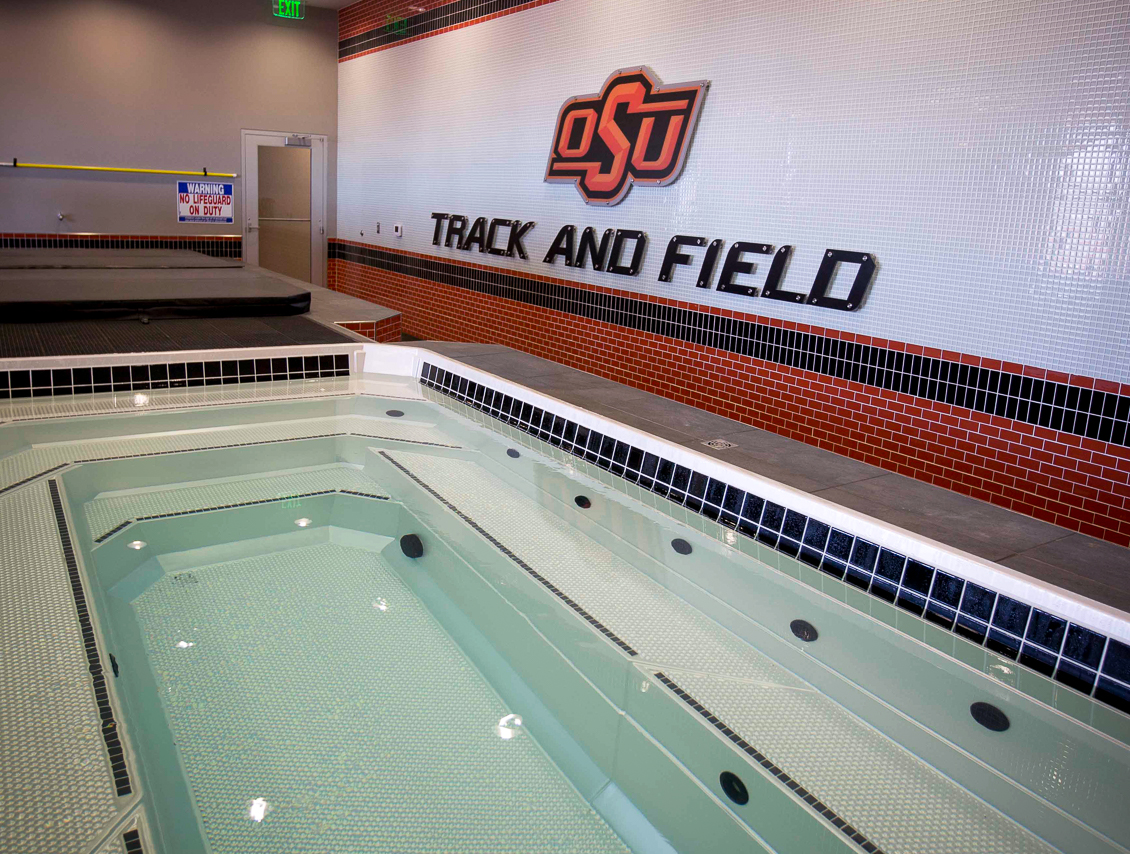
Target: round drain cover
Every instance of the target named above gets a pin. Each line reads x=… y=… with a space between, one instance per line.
x=990 y=717
x=411 y=546
x=804 y=630
x=394 y=413
x=734 y=788
x=513 y=454
x=583 y=502
x=681 y=546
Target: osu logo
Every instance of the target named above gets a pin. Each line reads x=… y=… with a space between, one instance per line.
x=634 y=131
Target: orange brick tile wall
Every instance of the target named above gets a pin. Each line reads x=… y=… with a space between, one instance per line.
x=379 y=330
x=1079 y=483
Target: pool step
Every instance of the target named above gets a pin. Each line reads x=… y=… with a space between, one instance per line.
x=673 y=637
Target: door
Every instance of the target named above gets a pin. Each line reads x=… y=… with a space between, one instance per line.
x=284 y=179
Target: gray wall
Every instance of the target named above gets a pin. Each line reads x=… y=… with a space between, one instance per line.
x=154 y=84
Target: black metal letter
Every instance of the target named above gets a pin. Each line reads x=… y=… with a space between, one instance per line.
x=708 y=263
x=439 y=218
x=492 y=235
x=477 y=234
x=456 y=225
x=863 y=276
x=622 y=235
x=588 y=247
x=734 y=265
x=772 y=288
x=562 y=245
x=673 y=256
x=517 y=232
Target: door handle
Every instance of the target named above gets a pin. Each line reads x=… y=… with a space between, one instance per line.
x=251 y=227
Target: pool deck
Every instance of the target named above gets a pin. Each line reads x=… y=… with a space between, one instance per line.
x=1081 y=564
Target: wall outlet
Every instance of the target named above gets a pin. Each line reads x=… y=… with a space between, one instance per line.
x=398 y=230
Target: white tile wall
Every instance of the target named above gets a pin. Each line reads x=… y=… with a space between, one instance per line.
x=980 y=150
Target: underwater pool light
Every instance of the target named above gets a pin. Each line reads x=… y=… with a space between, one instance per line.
x=137 y=545
x=303 y=522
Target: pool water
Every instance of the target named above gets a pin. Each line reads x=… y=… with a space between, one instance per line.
x=550 y=675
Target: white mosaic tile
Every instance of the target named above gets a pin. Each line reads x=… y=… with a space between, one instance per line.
x=56 y=789
x=341 y=725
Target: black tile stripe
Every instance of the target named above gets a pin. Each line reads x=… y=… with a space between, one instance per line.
x=1074 y=656
x=761 y=759
x=529 y=570
x=174 y=513
x=131 y=839
x=447 y=15
x=20 y=483
x=205 y=245
x=1095 y=414
x=94 y=661
x=159 y=408
x=101 y=379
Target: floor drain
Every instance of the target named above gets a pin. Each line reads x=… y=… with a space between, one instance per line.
x=719 y=444
x=394 y=413
x=583 y=502
x=681 y=546
x=734 y=788
x=990 y=717
x=513 y=454
x=411 y=546
x=804 y=630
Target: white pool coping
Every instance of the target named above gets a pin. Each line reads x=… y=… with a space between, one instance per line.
x=406 y=361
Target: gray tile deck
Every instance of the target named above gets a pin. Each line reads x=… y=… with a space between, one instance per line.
x=1081 y=564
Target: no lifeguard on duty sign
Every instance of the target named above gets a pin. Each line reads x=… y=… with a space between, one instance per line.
x=204 y=201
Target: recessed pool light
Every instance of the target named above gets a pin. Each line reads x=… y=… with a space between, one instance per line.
x=681 y=546
x=303 y=522
x=804 y=630
x=509 y=726
x=734 y=788
x=257 y=809
x=990 y=717
x=185 y=644
x=583 y=502
x=140 y=399
x=380 y=604
x=137 y=545
x=394 y=413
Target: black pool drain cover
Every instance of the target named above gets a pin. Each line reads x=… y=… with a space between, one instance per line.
x=804 y=630
x=734 y=788
x=394 y=413
x=681 y=546
x=990 y=717
x=411 y=546
x=583 y=502
x=510 y=452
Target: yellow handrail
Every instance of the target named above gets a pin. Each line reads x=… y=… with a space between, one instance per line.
x=203 y=173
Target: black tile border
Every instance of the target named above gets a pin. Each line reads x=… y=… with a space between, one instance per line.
x=1104 y=416
x=1073 y=656
x=529 y=570
x=103 y=379
x=213 y=246
x=766 y=763
x=131 y=839
x=173 y=513
x=94 y=662
x=422 y=23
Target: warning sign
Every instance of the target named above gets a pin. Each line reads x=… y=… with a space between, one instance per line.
x=204 y=201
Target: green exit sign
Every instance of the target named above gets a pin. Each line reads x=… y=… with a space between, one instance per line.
x=289 y=8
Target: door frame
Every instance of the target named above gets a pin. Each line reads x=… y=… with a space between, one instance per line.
x=249 y=141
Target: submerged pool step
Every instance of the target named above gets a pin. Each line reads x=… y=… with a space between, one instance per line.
x=899 y=803
x=53 y=763
x=105 y=514
x=25 y=465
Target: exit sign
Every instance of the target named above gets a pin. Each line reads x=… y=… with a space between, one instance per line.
x=289 y=8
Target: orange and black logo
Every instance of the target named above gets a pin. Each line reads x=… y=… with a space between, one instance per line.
x=633 y=131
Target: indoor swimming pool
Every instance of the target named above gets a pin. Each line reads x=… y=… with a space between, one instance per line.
x=425 y=610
